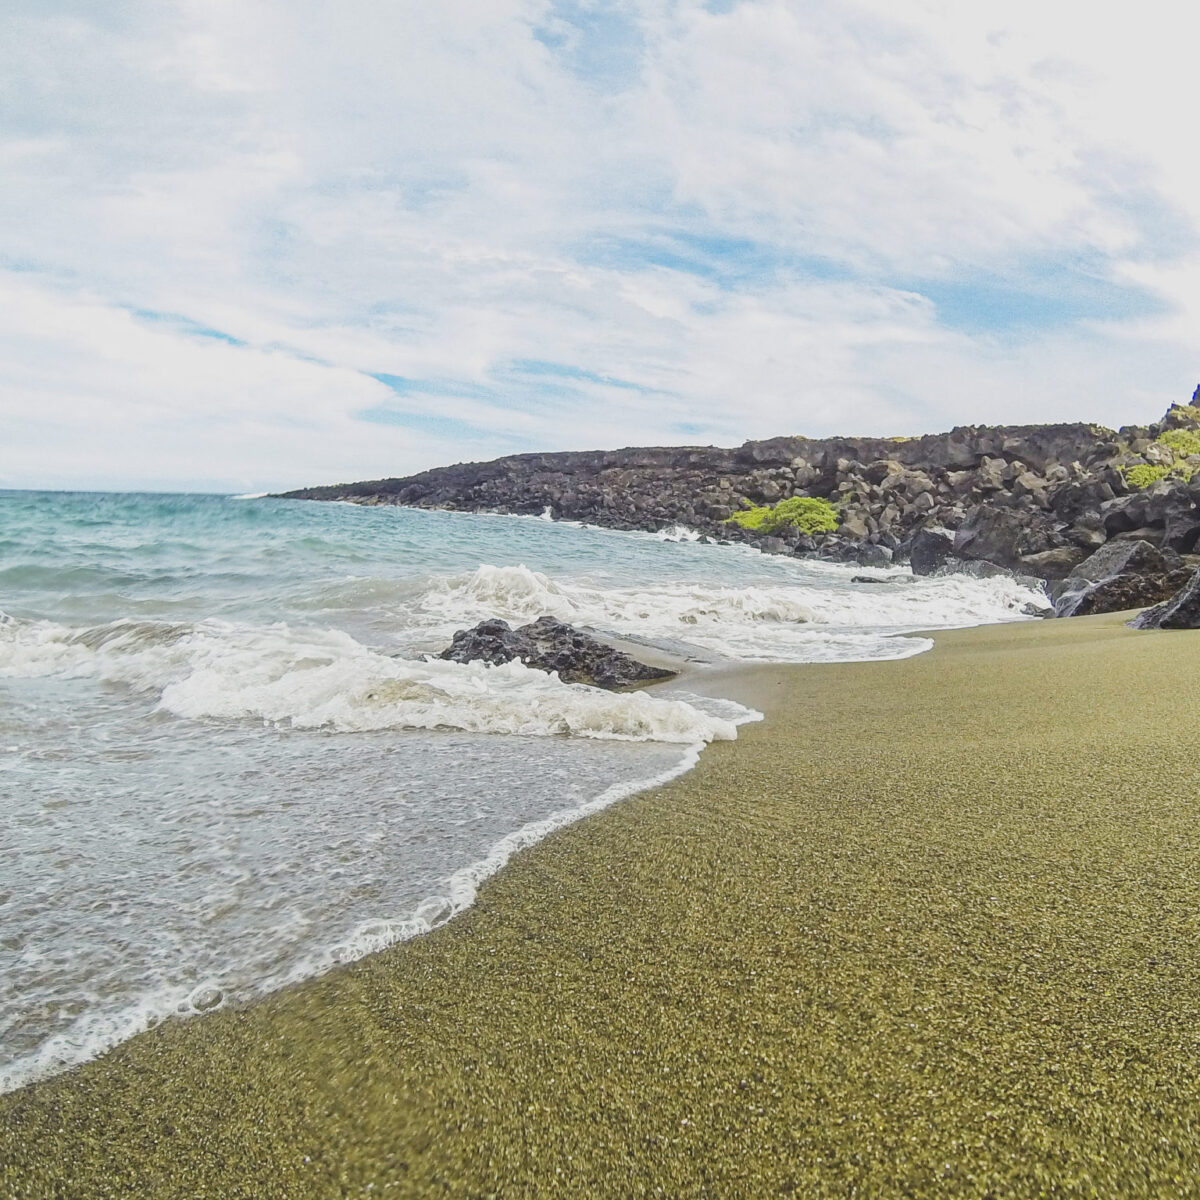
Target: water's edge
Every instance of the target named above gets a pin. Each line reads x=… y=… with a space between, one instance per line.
x=92 y=1038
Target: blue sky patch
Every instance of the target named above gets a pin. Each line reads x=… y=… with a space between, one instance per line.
x=730 y=262
x=598 y=42
x=552 y=370
x=185 y=325
x=1046 y=296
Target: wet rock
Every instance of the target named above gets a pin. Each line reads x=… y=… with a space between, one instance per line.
x=888 y=579
x=1121 y=574
x=929 y=550
x=205 y=998
x=1123 y=592
x=548 y=644
x=1181 y=611
x=976 y=568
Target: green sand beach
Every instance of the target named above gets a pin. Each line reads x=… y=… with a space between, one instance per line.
x=930 y=929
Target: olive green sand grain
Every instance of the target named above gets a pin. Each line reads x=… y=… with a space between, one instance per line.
x=932 y=929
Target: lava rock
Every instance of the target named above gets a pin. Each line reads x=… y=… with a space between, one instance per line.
x=1009 y=493
x=1123 y=592
x=548 y=644
x=992 y=533
x=1181 y=611
x=872 y=555
x=1053 y=564
x=1121 y=574
x=928 y=551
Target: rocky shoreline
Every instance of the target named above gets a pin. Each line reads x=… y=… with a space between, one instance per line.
x=1036 y=500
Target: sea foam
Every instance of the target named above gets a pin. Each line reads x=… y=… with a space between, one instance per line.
x=325 y=679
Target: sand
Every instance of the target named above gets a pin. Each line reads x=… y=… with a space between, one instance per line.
x=931 y=929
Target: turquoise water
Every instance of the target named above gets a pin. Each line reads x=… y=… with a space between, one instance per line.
x=226 y=762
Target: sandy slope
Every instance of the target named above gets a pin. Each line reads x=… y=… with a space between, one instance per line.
x=931 y=929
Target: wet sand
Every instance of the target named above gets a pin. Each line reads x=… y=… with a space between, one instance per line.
x=931 y=929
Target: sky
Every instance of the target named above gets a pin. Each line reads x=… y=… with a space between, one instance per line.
x=256 y=245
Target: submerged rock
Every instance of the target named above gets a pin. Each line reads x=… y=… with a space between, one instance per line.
x=1181 y=611
x=548 y=644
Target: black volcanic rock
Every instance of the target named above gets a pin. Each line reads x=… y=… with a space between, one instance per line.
x=1001 y=535
x=548 y=644
x=1123 y=592
x=1181 y=611
x=928 y=551
x=1122 y=574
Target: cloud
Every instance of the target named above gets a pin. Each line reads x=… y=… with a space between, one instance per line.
x=255 y=245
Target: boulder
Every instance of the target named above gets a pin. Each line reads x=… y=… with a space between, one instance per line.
x=852 y=525
x=1168 y=507
x=1120 y=558
x=1121 y=574
x=928 y=550
x=1181 y=611
x=1087 y=533
x=1052 y=564
x=1123 y=592
x=872 y=555
x=999 y=535
x=548 y=644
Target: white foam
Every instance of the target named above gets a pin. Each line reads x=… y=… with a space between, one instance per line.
x=324 y=679
x=802 y=621
x=97 y=1032
x=94 y=1033
x=677 y=533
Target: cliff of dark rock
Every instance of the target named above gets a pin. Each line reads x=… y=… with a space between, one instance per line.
x=1039 y=499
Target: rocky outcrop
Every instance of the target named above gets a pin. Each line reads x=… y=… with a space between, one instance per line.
x=1123 y=574
x=1033 y=499
x=548 y=644
x=1181 y=611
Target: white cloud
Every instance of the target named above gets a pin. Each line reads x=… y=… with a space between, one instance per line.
x=737 y=211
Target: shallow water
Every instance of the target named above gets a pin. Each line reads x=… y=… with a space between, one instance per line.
x=225 y=762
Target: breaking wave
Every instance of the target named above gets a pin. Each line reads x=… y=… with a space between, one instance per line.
x=325 y=679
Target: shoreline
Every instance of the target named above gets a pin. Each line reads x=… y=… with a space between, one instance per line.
x=928 y=926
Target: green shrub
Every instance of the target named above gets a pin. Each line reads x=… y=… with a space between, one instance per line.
x=750 y=518
x=809 y=514
x=1182 y=441
x=1143 y=475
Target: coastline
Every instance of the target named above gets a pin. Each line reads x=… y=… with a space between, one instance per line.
x=928 y=928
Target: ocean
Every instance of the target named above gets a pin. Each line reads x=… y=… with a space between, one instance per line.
x=229 y=761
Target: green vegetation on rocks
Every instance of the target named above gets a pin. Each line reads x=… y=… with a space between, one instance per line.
x=1142 y=475
x=809 y=514
x=1183 y=442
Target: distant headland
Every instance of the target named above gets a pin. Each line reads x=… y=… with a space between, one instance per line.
x=1037 y=500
